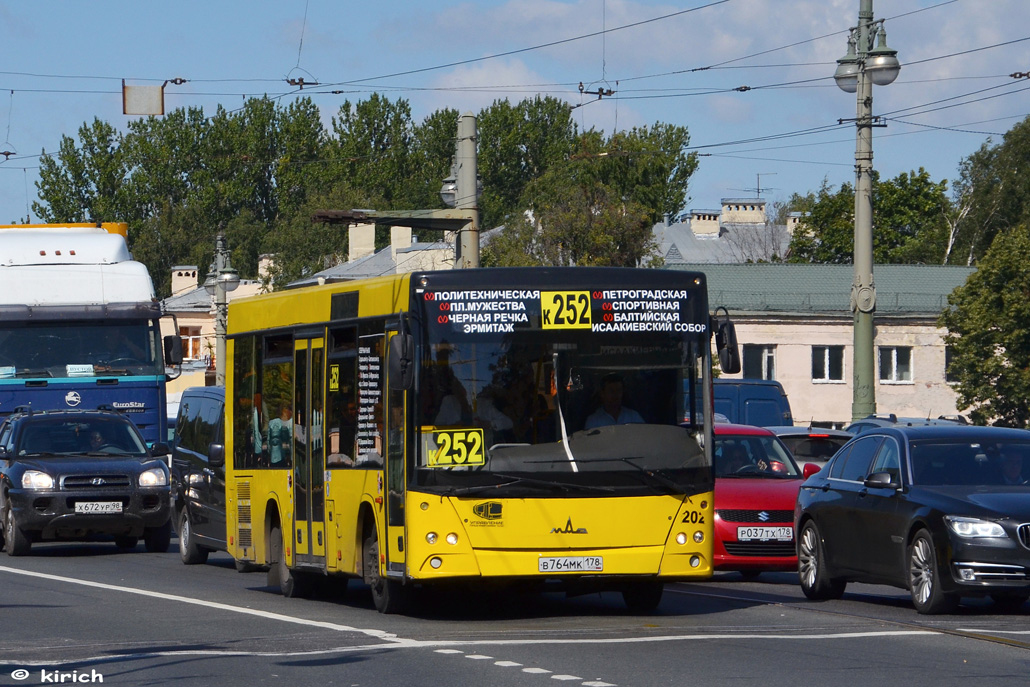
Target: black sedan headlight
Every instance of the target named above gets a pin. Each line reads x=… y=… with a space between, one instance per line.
x=973 y=528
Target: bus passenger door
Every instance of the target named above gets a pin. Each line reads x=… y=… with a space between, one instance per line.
x=309 y=453
x=395 y=480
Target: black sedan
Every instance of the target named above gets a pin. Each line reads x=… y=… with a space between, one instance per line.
x=77 y=474
x=943 y=511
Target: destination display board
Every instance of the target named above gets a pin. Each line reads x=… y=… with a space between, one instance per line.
x=600 y=310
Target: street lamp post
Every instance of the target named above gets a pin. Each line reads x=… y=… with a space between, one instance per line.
x=221 y=279
x=857 y=71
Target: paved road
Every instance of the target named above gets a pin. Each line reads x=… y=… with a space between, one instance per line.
x=89 y=611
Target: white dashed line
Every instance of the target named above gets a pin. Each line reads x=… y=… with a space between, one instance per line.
x=565 y=677
x=479 y=657
x=536 y=671
x=507 y=664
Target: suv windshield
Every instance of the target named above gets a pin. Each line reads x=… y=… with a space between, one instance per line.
x=90 y=436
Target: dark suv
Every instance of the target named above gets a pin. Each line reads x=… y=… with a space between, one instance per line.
x=198 y=473
x=76 y=474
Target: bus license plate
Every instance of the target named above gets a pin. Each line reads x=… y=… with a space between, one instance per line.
x=98 y=507
x=572 y=564
x=765 y=533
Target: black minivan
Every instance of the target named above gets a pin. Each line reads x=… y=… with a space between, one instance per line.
x=198 y=473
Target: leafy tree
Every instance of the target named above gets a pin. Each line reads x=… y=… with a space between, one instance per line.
x=910 y=224
x=519 y=143
x=992 y=193
x=83 y=183
x=371 y=147
x=988 y=335
x=575 y=221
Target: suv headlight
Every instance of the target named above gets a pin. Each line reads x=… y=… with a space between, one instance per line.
x=34 y=479
x=973 y=527
x=154 y=477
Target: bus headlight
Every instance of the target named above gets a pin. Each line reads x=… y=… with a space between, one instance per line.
x=699 y=536
x=681 y=538
x=431 y=537
x=34 y=479
x=154 y=477
x=452 y=539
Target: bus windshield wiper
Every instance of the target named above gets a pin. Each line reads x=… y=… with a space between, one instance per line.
x=656 y=476
x=528 y=481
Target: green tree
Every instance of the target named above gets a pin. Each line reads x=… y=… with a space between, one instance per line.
x=84 y=182
x=370 y=148
x=517 y=144
x=992 y=194
x=988 y=335
x=910 y=221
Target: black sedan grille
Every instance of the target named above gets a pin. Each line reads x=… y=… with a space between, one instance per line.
x=96 y=481
x=753 y=515
x=773 y=549
x=1024 y=535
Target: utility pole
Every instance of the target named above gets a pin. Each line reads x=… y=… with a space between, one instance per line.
x=467 y=196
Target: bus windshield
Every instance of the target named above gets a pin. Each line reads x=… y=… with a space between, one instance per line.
x=79 y=349
x=560 y=411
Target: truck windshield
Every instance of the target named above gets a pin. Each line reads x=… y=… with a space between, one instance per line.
x=79 y=349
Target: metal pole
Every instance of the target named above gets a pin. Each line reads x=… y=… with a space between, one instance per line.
x=863 y=289
x=467 y=193
x=221 y=309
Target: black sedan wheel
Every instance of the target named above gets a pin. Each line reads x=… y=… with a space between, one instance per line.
x=812 y=572
x=924 y=578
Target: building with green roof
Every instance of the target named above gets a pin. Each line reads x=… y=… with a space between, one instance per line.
x=794 y=324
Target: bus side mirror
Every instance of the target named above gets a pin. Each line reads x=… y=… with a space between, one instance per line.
x=173 y=350
x=726 y=343
x=402 y=362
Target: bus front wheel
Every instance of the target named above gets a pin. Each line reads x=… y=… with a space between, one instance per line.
x=389 y=596
x=643 y=597
x=291 y=583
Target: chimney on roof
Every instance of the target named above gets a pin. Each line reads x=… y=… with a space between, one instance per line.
x=184 y=278
x=361 y=241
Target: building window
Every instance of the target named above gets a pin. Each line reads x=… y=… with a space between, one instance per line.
x=951 y=377
x=191 y=343
x=895 y=365
x=827 y=363
x=759 y=362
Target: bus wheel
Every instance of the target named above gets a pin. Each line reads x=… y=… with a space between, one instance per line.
x=643 y=597
x=291 y=584
x=389 y=596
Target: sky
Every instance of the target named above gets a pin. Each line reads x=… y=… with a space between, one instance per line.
x=670 y=62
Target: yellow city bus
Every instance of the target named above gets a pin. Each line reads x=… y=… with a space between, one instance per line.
x=535 y=425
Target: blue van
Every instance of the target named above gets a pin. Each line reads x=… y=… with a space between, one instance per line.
x=759 y=402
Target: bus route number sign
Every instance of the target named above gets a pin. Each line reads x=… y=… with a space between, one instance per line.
x=565 y=309
x=455 y=447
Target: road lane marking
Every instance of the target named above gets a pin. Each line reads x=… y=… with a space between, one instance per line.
x=378 y=634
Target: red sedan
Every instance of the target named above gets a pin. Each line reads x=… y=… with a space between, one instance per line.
x=756 y=487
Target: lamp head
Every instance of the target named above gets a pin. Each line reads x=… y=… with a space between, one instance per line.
x=882 y=63
x=846 y=75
